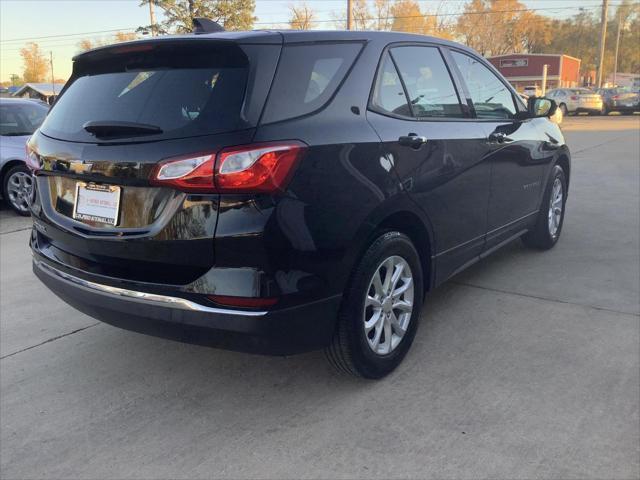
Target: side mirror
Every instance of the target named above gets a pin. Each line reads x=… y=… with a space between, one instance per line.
x=541 y=107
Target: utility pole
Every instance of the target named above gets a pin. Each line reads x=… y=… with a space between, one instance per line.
x=53 y=82
x=152 y=17
x=545 y=68
x=615 y=64
x=349 y=15
x=603 y=34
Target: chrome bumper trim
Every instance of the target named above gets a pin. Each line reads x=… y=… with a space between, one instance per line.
x=137 y=296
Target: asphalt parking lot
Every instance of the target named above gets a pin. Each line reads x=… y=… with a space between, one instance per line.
x=525 y=366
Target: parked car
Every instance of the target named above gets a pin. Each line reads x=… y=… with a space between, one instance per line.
x=620 y=99
x=18 y=120
x=250 y=191
x=532 y=91
x=577 y=100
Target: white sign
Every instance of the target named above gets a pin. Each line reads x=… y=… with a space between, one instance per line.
x=97 y=203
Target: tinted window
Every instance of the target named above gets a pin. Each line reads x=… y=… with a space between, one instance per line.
x=307 y=77
x=429 y=85
x=491 y=98
x=20 y=119
x=184 y=93
x=388 y=94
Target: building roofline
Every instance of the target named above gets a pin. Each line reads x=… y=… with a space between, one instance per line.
x=535 y=55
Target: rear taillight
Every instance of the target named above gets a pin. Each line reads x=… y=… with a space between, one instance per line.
x=574 y=97
x=616 y=97
x=261 y=168
x=32 y=160
x=192 y=173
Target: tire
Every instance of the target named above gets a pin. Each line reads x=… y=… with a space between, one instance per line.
x=17 y=186
x=353 y=349
x=564 y=110
x=546 y=232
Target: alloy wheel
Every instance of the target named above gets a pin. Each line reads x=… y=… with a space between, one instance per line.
x=19 y=190
x=555 y=207
x=388 y=305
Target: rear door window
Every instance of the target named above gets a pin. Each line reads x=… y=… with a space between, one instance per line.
x=388 y=93
x=307 y=77
x=184 y=92
x=427 y=81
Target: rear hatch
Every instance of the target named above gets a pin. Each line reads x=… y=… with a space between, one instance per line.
x=125 y=110
x=587 y=97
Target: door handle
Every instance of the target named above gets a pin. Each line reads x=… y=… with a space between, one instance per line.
x=499 y=137
x=412 y=140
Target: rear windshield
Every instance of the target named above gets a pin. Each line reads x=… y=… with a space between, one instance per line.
x=20 y=119
x=183 y=92
x=307 y=77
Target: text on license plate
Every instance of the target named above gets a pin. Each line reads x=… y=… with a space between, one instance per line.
x=97 y=203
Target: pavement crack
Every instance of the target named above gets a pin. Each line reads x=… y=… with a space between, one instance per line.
x=16 y=230
x=576 y=152
x=548 y=299
x=50 y=340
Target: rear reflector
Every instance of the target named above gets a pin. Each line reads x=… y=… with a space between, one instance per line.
x=243 y=302
x=257 y=168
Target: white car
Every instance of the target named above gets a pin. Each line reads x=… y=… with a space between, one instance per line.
x=532 y=91
x=577 y=100
x=19 y=118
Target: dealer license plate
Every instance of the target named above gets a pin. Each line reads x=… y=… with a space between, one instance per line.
x=97 y=203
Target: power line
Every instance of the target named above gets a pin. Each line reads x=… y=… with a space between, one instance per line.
x=125 y=29
x=69 y=34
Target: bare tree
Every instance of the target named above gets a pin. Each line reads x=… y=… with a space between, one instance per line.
x=179 y=14
x=382 y=15
x=301 y=17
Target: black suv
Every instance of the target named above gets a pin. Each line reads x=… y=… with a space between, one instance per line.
x=277 y=192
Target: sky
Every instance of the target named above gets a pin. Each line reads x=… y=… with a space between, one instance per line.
x=26 y=20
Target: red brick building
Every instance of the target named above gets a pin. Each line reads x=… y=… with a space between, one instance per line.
x=523 y=69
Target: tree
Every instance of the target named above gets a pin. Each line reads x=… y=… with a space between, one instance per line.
x=407 y=17
x=360 y=16
x=382 y=15
x=123 y=37
x=35 y=63
x=15 y=80
x=88 y=44
x=179 y=14
x=301 y=17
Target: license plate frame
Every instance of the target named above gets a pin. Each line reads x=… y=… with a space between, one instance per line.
x=97 y=203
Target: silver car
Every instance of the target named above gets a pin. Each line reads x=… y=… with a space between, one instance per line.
x=577 y=100
x=19 y=118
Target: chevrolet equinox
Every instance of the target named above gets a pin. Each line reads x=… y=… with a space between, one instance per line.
x=282 y=191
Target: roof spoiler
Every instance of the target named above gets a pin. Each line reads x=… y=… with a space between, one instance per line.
x=206 y=25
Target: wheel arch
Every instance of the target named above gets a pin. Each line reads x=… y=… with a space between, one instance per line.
x=404 y=219
x=8 y=165
x=564 y=161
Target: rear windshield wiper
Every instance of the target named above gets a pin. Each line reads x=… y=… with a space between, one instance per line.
x=120 y=129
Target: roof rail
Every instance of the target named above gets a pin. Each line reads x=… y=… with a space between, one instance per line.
x=206 y=25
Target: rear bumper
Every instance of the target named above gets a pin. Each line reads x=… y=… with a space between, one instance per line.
x=589 y=109
x=278 y=332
